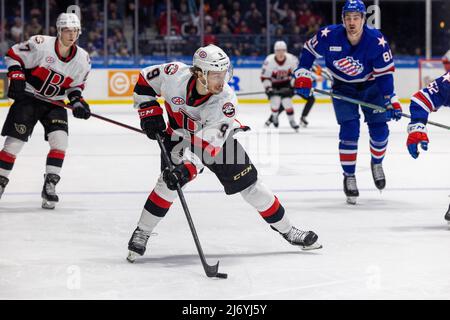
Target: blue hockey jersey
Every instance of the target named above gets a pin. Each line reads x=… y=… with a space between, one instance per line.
x=431 y=98
x=370 y=60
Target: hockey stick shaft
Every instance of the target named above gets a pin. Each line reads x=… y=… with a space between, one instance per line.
x=211 y=271
x=372 y=106
x=239 y=94
x=62 y=104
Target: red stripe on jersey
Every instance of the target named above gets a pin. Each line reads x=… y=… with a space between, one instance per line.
x=377 y=153
x=272 y=210
x=196 y=141
x=42 y=74
x=160 y=202
x=205 y=145
x=7 y=157
x=14 y=56
x=391 y=69
x=347 y=157
x=419 y=95
x=57 y=154
x=142 y=81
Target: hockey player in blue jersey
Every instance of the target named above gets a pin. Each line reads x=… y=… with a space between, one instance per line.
x=429 y=99
x=362 y=66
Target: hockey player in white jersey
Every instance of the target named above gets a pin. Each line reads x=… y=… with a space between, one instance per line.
x=446 y=61
x=201 y=108
x=52 y=68
x=277 y=78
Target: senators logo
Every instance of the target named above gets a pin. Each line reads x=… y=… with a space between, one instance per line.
x=228 y=109
x=178 y=101
x=39 y=39
x=171 y=69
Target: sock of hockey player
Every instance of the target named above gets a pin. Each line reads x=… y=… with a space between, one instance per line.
x=379 y=133
x=8 y=155
x=287 y=104
x=348 y=151
x=270 y=209
x=58 y=141
x=155 y=209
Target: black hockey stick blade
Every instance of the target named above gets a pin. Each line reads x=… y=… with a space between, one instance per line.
x=213 y=271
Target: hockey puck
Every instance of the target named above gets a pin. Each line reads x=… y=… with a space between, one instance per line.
x=222 y=275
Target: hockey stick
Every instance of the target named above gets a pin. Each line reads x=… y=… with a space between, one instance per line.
x=211 y=271
x=62 y=104
x=249 y=93
x=372 y=106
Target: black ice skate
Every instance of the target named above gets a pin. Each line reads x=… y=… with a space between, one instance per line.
x=351 y=189
x=447 y=215
x=294 y=125
x=272 y=120
x=137 y=244
x=306 y=240
x=49 y=197
x=303 y=122
x=3 y=182
x=378 y=175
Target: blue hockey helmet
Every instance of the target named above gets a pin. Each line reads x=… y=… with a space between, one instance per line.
x=354 y=6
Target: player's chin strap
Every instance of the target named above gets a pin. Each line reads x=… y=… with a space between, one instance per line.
x=372 y=106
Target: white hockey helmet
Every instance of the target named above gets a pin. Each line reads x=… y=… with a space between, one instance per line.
x=68 y=20
x=280 y=45
x=212 y=58
x=446 y=61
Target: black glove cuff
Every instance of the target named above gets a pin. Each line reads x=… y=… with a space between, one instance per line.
x=74 y=95
x=147 y=104
x=15 y=68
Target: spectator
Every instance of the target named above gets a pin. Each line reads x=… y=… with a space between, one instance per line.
x=17 y=30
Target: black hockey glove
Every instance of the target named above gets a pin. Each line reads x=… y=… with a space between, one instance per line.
x=152 y=120
x=80 y=108
x=16 y=82
x=181 y=174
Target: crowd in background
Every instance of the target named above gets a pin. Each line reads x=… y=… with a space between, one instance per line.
x=239 y=27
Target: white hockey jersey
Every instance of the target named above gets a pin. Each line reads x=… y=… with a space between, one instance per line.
x=278 y=73
x=208 y=120
x=47 y=73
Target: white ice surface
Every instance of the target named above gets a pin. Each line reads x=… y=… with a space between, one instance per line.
x=393 y=244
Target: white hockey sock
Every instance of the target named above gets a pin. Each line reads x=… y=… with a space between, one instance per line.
x=268 y=206
x=148 y=221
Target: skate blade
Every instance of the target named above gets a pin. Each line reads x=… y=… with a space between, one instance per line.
x=48 y=204
x=351 y=200
x=314 y=246
x=132 y=256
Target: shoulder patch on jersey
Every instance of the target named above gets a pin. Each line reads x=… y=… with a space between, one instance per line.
x=178 y=100
x=50 y=59
x=39 y=39
x=171 y=69
x=228 y=110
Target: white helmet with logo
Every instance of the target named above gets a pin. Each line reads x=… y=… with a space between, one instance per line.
x=212 y=58
x=280 y=45
x=68 y=20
